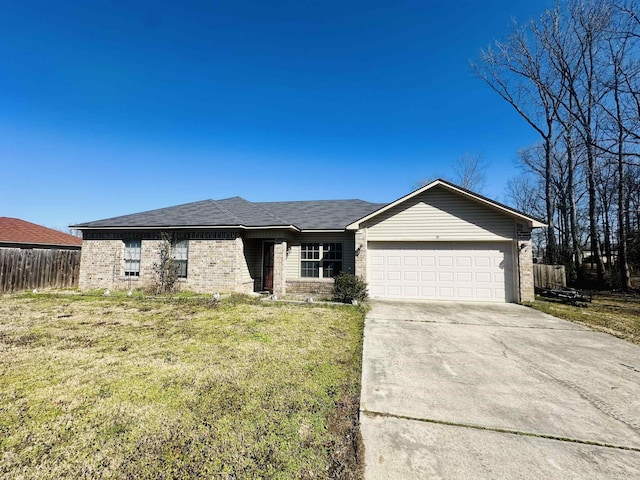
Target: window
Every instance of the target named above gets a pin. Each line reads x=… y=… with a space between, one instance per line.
x=332 y=259
x=181 y=257
x=310 y=255
x=320 y=260
x=132 y=250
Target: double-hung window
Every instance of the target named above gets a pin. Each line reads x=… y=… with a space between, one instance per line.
x=181 y=257
x=132 y=249
x=320 y=260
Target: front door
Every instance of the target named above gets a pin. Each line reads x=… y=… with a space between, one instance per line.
x=267 y=266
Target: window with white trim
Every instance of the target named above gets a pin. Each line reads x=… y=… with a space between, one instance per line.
x=320 y=260
x=132 y=250
x=181 y=257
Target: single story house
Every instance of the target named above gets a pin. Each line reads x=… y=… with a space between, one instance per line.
x=439 y=242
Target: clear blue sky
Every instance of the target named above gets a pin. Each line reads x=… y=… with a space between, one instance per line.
x=108 y=108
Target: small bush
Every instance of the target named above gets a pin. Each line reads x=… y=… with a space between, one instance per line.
x=349 y=287
x=166 y=269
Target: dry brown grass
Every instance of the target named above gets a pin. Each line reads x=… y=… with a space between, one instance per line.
x=616 y=314
x=96 y=387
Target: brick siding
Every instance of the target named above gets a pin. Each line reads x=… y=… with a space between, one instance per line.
x=525 y=263
x=310 y=286
x=214 y=266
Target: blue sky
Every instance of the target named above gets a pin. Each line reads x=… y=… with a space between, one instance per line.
x=108 y=108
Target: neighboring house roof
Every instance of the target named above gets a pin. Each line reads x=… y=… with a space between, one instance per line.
x=533 y=222
x=14 y=231
x=240 y=213
x=236 y=212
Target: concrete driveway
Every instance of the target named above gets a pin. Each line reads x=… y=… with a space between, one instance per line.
x=492 y=391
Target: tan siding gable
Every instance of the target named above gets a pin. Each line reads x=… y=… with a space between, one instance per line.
x=440 y=215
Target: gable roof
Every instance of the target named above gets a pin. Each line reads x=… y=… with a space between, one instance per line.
x=236 y=212
x=20 y=232
x=313 y=215
x=532 y=222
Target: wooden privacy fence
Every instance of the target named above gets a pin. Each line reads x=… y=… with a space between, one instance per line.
x=545 y=276
x=26 y=269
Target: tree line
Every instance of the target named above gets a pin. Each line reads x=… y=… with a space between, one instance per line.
x=573 y=75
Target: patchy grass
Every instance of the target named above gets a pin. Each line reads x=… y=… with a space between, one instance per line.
x=119 y=388
x=616 y=314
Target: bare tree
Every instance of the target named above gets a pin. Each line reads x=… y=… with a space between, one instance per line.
x=517 y=70
x=526 y=195
x=574 y=76
x=469 y=171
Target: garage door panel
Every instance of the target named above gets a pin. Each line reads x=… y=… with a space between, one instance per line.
x=427 y=261
x=482 y=261
x=483 y=293
x=377 y=260
x=464 y=293
x=376 y=291
x=428 y=276
x=482 y=277
x=446 y=293
x=410 y=291
x=394 y=290
x=445 y=261
x=428 y=292
x=464 y=261
x=441 y=270
x=377 y=275
x=393 y=261
x=393 y=275
x=411 y=276
x=445 y=276
x=411 y=261
x=465 y=277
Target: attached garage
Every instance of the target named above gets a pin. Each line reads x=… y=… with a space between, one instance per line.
x=464 y=271
x=442 y=242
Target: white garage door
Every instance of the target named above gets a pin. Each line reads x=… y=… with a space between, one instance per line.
x=441 y=271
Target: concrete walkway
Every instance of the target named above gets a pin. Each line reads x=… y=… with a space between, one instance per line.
x=492 y=391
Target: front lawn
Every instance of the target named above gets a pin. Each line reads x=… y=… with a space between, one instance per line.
x=117 y=387
x=616 y=314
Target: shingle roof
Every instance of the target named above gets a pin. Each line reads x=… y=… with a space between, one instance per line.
x=322 y=214
x=16 y=231
x=236 y=211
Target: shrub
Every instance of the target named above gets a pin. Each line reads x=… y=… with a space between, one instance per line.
x=166 y=269
x=349 y=287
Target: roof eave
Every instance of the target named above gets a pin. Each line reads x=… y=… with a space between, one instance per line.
x=9 y=243
x=182 y=227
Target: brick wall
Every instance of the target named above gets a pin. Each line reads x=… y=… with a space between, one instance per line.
x=100 y=263
x=309 y=286
x=214 y=266
x=525 y=264
x=361 y=253
x=279 y=264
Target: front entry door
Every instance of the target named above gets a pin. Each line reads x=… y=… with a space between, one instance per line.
x=267 y=266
